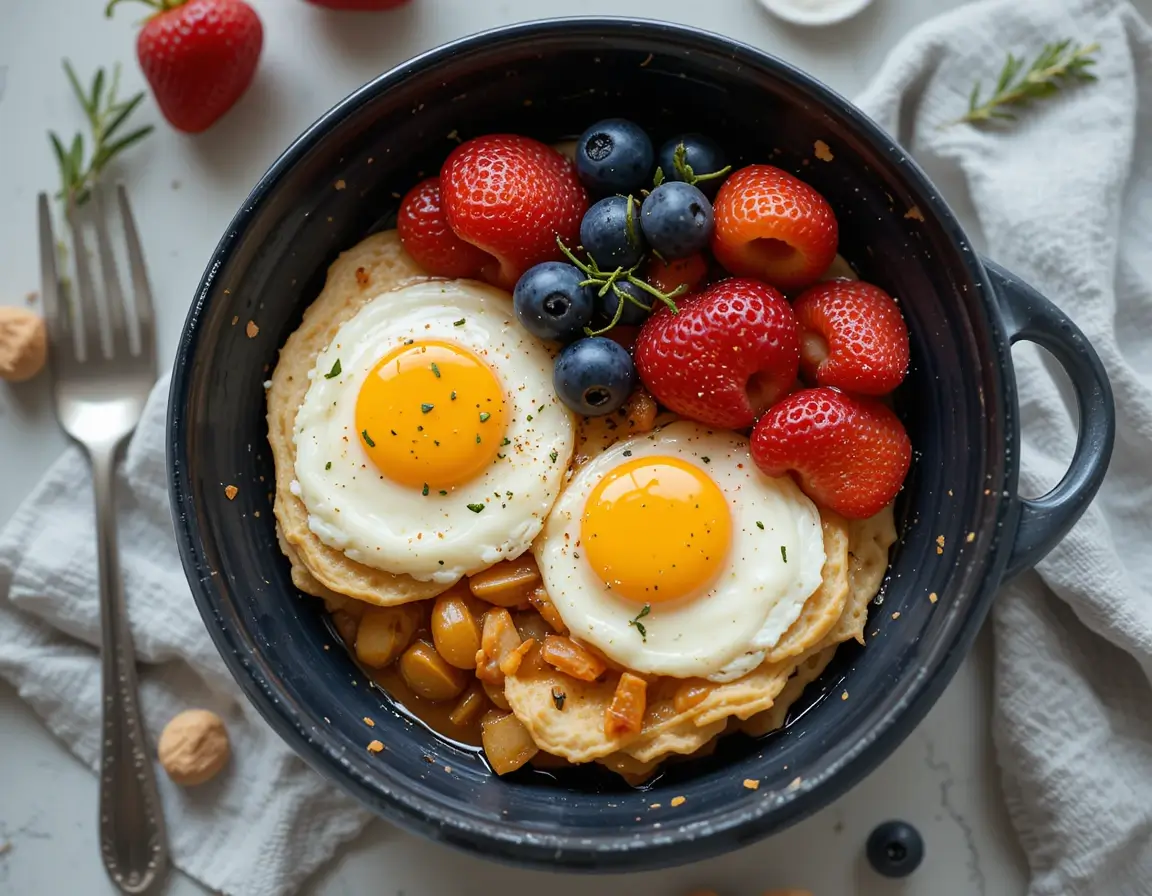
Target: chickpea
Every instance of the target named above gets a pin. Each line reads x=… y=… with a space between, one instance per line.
x=428 y=675
x=455 y=631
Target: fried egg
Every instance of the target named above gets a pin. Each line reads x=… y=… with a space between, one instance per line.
x=674 y=555
x=430 y=441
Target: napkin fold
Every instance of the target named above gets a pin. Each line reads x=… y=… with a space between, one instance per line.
x=268 y=821
x=1064 y=199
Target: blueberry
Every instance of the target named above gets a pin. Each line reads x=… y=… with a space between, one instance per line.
x=702 y=154
x=594 y=376
x=633 y=314
x=550 y=303
x=614 y=156
x=677 y=220
x=611 y=234
x=895 y=849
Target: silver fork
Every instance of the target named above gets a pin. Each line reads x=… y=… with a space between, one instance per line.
x=99 y=397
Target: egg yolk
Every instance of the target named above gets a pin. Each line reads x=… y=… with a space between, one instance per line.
x=431 y=415
x=656 y=529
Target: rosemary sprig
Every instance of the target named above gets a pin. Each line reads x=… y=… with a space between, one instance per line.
x=609 y=280
x=106 y=116
x=1058 y=66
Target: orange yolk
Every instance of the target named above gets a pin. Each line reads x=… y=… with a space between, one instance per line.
x=431 y=414
x=656 y=529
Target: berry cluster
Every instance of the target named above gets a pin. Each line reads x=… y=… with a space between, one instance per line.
x=667 y=269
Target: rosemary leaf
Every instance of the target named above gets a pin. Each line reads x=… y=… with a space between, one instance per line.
x=1057 y=66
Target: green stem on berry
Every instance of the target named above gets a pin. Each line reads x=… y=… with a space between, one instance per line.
x=160 y=6
x=615 y=320
x=665 y=297
x=685 y=172
x=608 y=280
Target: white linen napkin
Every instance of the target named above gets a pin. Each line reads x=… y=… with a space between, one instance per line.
x=1064 y=199
x=268 y=821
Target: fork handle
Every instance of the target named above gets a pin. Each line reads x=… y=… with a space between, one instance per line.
x=133 y=842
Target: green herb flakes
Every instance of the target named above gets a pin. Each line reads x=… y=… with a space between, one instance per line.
x=638 y=625
x=334 y=372
x=368 y=439
x=475 y=508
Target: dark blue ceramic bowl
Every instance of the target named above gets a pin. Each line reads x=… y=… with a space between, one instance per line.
x=549 y=80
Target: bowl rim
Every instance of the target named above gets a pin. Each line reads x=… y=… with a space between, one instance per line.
x=399 y=799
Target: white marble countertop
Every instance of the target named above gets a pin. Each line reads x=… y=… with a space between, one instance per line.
x=943 y=779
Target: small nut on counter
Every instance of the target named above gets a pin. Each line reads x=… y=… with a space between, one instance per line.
x=194 y=747
x=23 y=344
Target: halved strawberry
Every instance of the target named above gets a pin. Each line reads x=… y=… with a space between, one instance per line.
x=512 y=196
x=426 y=236
x=849 y=454
x=773 y=226
x=728 y=353
x=852 y=336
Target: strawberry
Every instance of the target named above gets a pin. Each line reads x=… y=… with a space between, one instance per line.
x=199 y=57
x=512 y=197
x=852 y=336
x=359 y=5
x=725 y=356
x=849 y=454
x=773 y=226
x=426 y=236
x=667 y=276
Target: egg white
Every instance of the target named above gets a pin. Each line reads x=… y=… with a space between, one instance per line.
x=354 y=508
x=722 y=631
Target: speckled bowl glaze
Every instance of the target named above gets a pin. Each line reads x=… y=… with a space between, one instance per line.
x=963 y=526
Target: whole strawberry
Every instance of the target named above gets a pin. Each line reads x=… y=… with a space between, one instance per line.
x=726 y=355
x=426 y=236
x=512 y=197
x=199 y=56
x=359 y=5
x=774 y=227
x=849 y=454
x=852 y=336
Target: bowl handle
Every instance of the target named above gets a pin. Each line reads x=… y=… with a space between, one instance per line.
x=1045 y=520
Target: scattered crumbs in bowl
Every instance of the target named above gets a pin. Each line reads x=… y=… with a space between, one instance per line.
x=340 y=185
x=230 y=492
x=932 y=597
x=914 y=214
x=677 y=801
x=369 y=722
x=375 y=746
x=824 y=151
x=751 y=784
x=252 y=330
